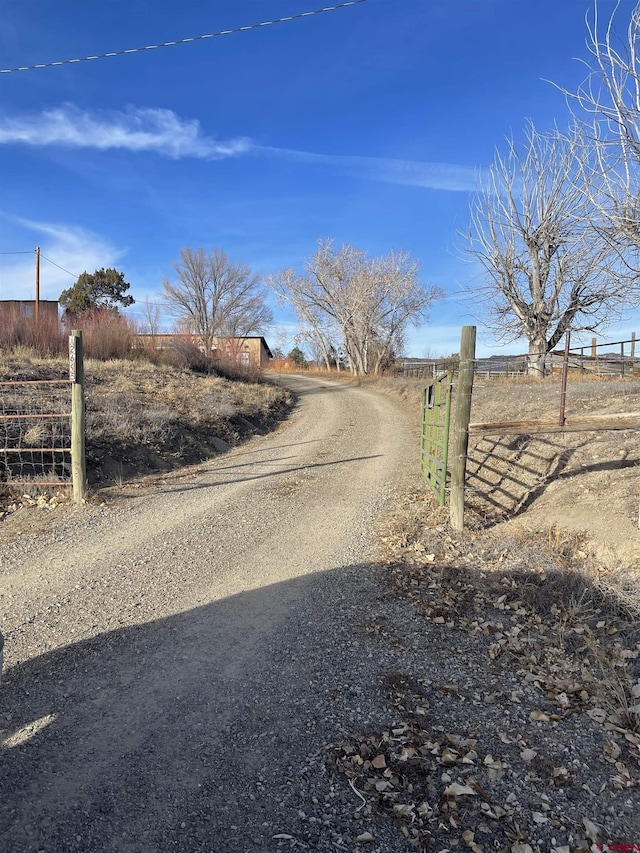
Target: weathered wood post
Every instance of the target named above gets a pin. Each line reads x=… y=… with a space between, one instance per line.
x=461 y=432
x=563 y=384
x=76 y=375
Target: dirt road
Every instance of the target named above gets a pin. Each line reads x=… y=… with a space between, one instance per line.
x=175 y=662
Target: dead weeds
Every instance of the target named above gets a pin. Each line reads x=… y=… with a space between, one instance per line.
x=144 y=418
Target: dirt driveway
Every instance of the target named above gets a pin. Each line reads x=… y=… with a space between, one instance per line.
x=174 y=662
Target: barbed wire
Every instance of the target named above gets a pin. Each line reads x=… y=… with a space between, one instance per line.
x=184 y=40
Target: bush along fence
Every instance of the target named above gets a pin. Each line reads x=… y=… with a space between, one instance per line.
x=42 y=430
x=434 y=455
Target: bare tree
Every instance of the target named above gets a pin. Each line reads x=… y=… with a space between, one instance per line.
x=216 y=297
x=318 y=328
x=150 y=316
x=546 y=270
x=365 y=302
x=606 y=106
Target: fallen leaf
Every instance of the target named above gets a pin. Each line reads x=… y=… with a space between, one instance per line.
x=449 y=756
x=379 y=762
x=365 y=837
x=456 y=790
x=539 y=717
x=597 y=714
x=468 y=837
x=611 y=751
x=592 y=830
x=528 y=755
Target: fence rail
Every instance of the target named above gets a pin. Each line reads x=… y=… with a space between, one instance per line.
x=611 y=358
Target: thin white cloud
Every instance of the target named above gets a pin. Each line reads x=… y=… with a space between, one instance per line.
x=415 y=173
x=135 y=129
x=149 y=129
x=74 y=248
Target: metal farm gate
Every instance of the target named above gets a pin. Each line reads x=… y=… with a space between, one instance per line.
x=434 y=442
x=42 y=429
x=35 y=433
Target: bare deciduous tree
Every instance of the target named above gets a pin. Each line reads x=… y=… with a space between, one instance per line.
x=216 y=297
x=546 y=270
x=368 y=302
x=609 y=118
x=150 y=316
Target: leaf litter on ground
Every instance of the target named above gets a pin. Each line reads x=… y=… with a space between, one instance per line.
x=522 y=733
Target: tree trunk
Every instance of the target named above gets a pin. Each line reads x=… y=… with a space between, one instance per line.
x=537 y=356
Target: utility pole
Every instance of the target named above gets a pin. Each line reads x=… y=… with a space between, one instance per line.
x=37 y=312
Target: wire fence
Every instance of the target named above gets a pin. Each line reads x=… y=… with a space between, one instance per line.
x=611 y=358
x=35 y=433
x=615 y=358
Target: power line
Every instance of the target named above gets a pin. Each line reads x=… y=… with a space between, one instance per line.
x=18 y=253
x=183 y=41
x=73 y=275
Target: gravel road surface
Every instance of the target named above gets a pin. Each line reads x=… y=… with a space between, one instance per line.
x=175 y=663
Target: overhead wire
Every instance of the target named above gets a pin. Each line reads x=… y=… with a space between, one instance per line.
x=72 y=274
x=184 y=40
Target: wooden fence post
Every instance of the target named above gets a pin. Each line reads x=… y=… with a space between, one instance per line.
x=461 y=432
x=76 y=374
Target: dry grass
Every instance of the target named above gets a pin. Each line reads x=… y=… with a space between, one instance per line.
x=145 y=418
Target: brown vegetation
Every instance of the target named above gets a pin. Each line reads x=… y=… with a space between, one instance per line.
x=144 y=418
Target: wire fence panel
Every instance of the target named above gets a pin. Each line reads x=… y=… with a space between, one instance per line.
x=35 y=433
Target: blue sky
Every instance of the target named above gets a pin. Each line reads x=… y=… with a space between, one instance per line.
x=368 y=125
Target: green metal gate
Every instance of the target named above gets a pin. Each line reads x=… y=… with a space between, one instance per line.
x=434 y=442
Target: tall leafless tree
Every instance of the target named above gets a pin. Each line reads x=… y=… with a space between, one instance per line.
x=545 y=269
x=606 y=107
x=150 y=316
x=216 y=297
x=368 y=302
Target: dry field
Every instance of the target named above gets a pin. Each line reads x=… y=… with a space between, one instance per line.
x=145 y=419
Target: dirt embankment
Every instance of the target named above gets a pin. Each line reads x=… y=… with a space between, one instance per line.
x=584 y=482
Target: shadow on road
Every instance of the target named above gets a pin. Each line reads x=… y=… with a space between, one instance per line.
x=149 y=737
x=204 y=484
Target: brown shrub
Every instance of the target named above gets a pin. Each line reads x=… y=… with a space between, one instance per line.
x=106 y=334
x=44 y=338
